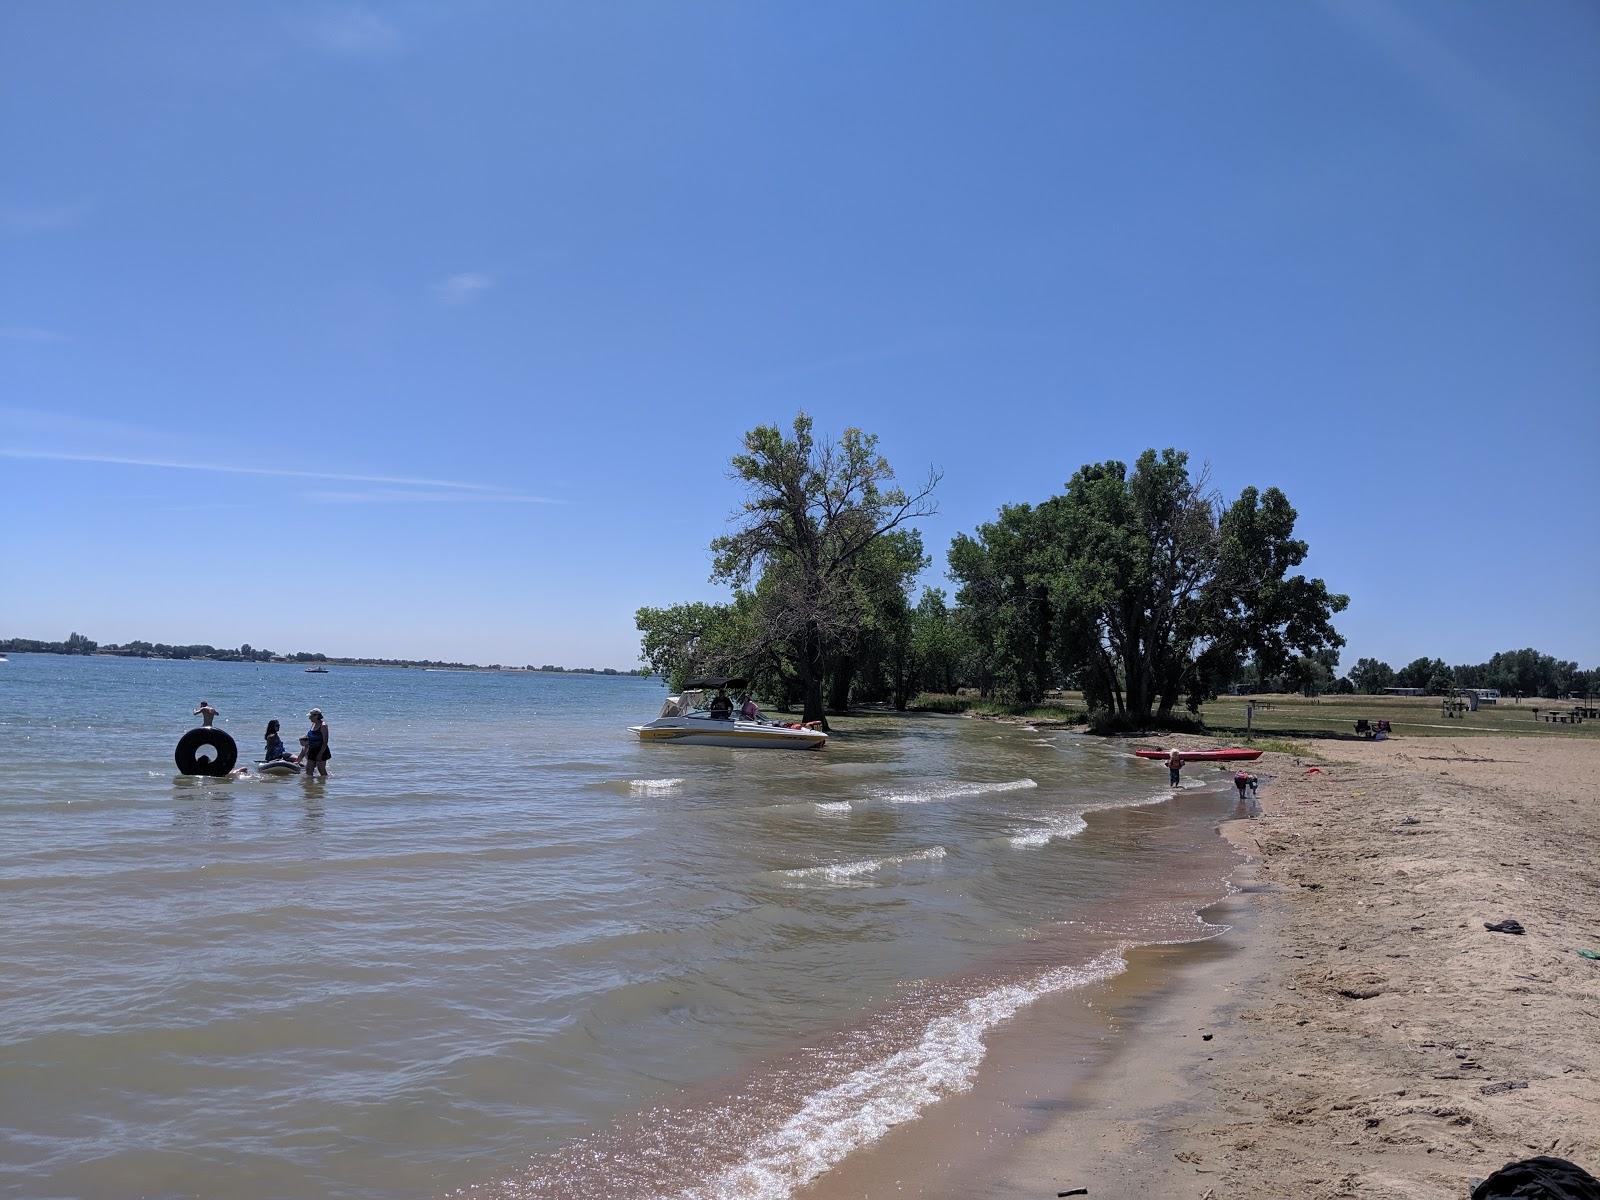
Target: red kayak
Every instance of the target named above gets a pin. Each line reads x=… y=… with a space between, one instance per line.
x=1231 y=754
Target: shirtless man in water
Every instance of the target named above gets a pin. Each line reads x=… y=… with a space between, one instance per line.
x=206 y=713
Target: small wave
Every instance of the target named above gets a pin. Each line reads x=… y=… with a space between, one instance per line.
x=870 y=1101
x=845 y=872
x=653 y=787
x=1066 y=827
x=955 y=791
x=833 y=807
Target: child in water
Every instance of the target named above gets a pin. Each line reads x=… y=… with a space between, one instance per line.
x=275 y=750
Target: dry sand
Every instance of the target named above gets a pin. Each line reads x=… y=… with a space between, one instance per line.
x=1369 y=1038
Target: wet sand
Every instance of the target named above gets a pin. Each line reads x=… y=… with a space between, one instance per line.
x=1368 y=1036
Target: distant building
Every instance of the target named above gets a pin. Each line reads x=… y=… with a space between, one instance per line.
x=1394 y=691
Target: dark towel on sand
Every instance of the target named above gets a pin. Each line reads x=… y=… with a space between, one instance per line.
x=1542 y=1178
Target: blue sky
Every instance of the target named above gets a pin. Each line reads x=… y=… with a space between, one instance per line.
x=428 y=329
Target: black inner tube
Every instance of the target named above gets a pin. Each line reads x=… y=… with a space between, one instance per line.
x=224 y=752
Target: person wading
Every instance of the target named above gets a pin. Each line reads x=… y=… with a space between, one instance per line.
x=316 y=754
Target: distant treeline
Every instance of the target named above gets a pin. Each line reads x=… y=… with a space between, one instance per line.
x=1526 y=672
x=76 y=643
x=1138 y=585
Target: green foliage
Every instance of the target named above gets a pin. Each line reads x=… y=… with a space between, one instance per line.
x=1423 y=673
x=1371 y=676
x=821 y=560
x=1104 y=721
x=1142 y=589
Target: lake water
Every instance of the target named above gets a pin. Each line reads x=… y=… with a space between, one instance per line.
x=507 y=950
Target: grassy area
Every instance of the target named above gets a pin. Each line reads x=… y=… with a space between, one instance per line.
x=1289 y=717
x=1050 y=710
x=1411 y=716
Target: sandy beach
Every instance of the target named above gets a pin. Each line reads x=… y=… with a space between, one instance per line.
x=1366 y=1035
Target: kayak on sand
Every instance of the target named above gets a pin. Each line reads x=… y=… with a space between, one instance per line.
x=1230 y=754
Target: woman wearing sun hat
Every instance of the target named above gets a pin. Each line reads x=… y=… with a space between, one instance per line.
x=316 y=754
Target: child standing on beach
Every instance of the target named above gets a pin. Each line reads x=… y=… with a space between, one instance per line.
x=206 y=713
x=1174 y=766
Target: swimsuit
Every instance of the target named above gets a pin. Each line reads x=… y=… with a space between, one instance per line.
x=314 y=745
x=274 y=749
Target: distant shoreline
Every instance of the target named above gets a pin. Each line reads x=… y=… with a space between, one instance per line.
x=7 y=648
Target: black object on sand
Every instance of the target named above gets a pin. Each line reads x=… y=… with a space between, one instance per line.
x=1509 y=925
x=1542 y=1178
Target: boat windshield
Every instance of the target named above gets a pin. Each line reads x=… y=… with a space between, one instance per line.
x=671 y=707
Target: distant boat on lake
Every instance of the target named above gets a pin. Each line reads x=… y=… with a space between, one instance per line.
x=316 y=670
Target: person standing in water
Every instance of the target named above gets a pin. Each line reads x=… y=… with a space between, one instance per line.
x=316 y=754
x=1174 y=766
x=206 y=713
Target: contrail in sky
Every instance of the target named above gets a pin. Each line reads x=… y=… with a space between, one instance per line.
x=236 y=469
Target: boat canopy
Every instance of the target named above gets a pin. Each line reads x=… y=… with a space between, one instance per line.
x=716 y=681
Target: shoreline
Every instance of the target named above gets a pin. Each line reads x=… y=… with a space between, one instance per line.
x=1369 y=1037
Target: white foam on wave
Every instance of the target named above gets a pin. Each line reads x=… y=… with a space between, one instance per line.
x=1072 y=824
x=1069 y=826
x=955 y=791
x=875 y=1098
x=653 y=787
x=844 y=872
x=833 y=807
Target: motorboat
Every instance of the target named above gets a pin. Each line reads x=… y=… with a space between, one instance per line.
x=316 y=670
x=686 y=720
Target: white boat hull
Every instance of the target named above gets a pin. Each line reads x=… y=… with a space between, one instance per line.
x=745 y=735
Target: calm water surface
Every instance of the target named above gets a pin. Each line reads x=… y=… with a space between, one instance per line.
x=506 y=947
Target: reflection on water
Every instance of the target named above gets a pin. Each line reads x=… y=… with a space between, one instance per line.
x=534 y=938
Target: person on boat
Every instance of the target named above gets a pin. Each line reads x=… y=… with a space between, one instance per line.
x=1174 y=766
x=315 y=752
x=748 y=711
x=206 y=713
x=721 y=707
x=275 y=751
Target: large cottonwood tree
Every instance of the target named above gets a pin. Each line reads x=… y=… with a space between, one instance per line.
x=1142 y=587
x=812 y=515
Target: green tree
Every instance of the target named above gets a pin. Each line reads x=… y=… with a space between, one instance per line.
x=1165 y=594
x=938 y=643
x=1419 y=672
x=1371 y=676
x=685 y=639
x=811 y=511
x=76 y=643
x=1006 y=576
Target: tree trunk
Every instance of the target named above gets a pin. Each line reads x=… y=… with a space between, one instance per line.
x=844 y=673
x=811 y=677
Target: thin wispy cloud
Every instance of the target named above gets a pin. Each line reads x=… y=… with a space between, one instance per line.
x=410 y=496
x=29 y=333
x=119 y=460
x=46 y=218
x=1457 y=86
x=463 y=288
x=350 y=31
